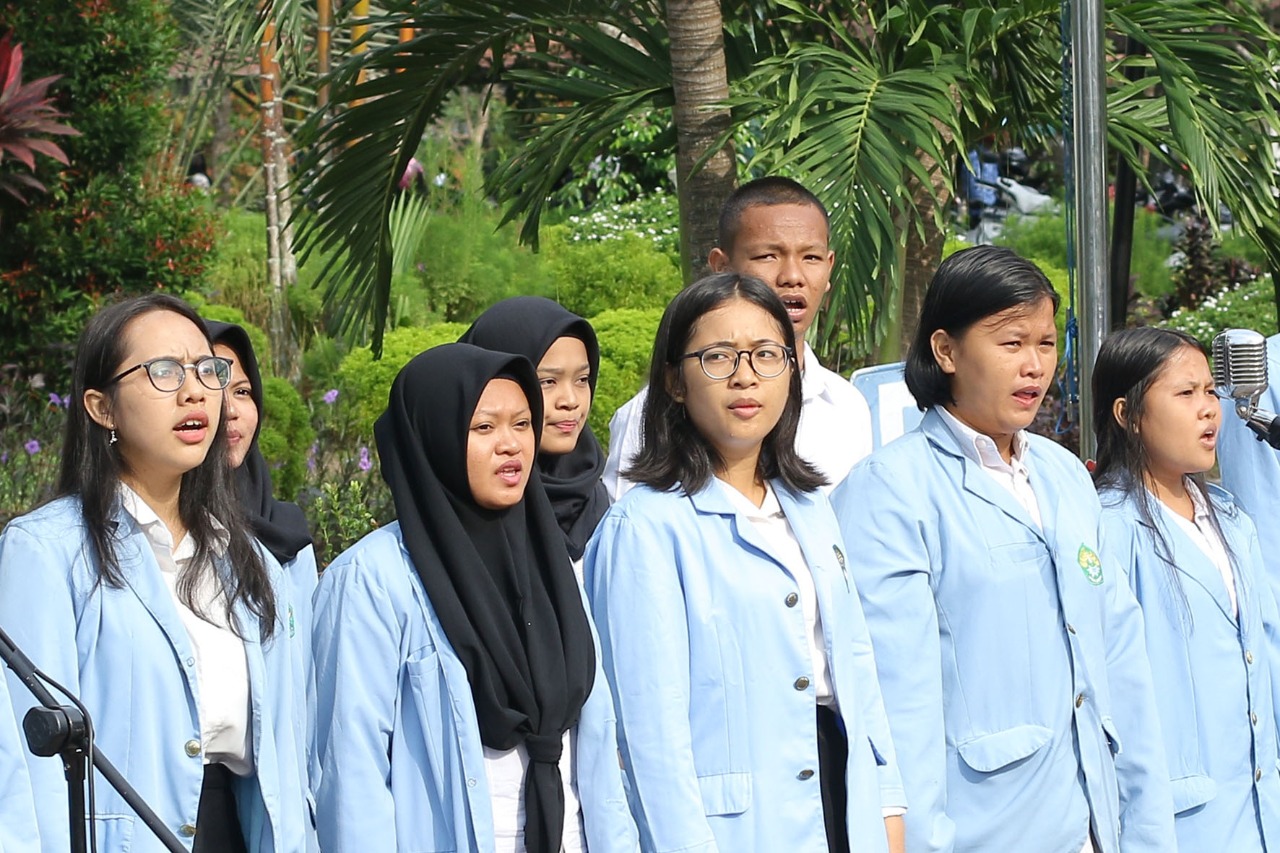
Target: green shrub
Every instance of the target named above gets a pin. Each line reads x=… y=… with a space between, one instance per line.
x=83 y=246
x=1251 y=306
x=594 y=276
x=1045 y=237
x=364 y=384
x=285 y=437
x=466 y=263
x=626 y=343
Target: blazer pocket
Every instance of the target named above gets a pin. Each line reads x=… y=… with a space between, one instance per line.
x=431 y=706
x=1192 y=791
x=988 y=753
x=725 y=793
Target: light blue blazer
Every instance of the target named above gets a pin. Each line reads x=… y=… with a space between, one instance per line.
x=398 y=751
x=1012 y=660
x=126 y=654
x=18 y=832
x=1215 y=674
x=301 y=575
x=1251 y=469
x=708 y=658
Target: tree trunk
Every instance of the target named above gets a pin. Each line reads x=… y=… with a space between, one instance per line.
x=921 y=255
x=700 y=81
x=281 y=267
x=324 y=32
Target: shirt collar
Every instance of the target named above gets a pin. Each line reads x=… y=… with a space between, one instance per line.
x=982 y=448
x=769 y=508
x=812 y=381
x=157 y=532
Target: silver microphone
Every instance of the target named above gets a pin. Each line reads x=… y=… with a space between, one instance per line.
x=1240 y=365
x=1240 y=374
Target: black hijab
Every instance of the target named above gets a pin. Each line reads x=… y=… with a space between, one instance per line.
x=500 y=580
x=528 y=326
x=280 y=526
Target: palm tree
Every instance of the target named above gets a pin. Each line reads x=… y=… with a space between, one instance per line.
x=868 y=101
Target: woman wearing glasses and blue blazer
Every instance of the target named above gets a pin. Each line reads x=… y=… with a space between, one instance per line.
x=141 y=591
x=749 y=715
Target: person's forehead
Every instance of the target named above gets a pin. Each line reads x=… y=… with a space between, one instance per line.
x=790 y=223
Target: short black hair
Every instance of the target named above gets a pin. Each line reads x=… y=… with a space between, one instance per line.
x=969 y=286
x=762 y=192
x=673 y=451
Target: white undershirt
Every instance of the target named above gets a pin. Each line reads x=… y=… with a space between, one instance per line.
x=1201 y=531
x=222 y=672
x=770 y=522
x=505 y=771
x=1013 y=476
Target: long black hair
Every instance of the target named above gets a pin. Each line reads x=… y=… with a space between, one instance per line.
x=92 y=469
x=968 y=287
x=673 y=450
x=1129 y=362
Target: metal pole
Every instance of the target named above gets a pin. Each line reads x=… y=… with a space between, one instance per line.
x=1089 y=109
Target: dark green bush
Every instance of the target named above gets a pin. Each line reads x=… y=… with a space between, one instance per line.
x=363 y=384
x=626 y=342
x=625 y=271
x=285 y=437
x=109 y=238
x=114 y=57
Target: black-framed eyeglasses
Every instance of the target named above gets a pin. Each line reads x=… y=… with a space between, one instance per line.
x=168 y=374
x=721 y=362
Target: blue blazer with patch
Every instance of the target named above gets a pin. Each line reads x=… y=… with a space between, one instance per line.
x=1011 y=658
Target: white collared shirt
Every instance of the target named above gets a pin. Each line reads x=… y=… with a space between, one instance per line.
x=834 y=432
x=1201 y=531
x=222 y=671
x=1013 y=476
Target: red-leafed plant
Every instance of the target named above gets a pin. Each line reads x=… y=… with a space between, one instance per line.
x=26 y=115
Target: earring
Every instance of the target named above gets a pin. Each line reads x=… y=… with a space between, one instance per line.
x=113 y=437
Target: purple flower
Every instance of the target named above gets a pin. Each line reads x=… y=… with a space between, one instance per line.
x=311 y=456
x=365 y=462
x=32 y=447
x=55 y=400
x=331 y=396
x=4 y=458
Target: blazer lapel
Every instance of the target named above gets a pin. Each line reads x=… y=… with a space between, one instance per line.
x=712 y=500
x=973 y=479
x=143 y=577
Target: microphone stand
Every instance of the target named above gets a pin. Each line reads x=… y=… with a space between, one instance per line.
x=55 y=729
x=1265 y=425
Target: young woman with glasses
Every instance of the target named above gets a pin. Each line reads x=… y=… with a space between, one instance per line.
x=749 y=714
x=141 y=590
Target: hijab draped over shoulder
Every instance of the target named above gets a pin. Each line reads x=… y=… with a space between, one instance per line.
x=528 y=326
x=500 y=581
x=280 y=526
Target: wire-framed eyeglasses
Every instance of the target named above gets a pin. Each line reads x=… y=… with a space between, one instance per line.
x=168 y=374
x=721 y=362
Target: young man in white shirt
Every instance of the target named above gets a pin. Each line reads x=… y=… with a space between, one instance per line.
x=776 y=230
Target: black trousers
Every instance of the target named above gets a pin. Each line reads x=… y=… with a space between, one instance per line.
x=217 y=823
x=833 y=758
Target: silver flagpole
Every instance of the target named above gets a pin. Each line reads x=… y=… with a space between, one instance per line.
x=1089 y=108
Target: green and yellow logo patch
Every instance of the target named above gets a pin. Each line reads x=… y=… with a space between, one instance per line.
x=1090 y=564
